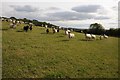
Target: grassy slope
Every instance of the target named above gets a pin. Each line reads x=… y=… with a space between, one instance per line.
x=36 y=54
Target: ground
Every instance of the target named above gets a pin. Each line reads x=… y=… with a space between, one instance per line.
x=35 y=54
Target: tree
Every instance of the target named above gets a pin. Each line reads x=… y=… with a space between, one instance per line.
x=13 y=18
x=96 y=28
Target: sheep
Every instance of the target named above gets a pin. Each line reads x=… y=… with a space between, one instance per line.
x=71 y=35
x=105 y=36
x=47 y=31
x=67 y=31
x=54 y=30
x=25 y=28
x=101 y=37
x=14 y=21
x=10 y=20
x=58 y=30
x=93 y=36
x=18 y=22
x=88 y=36
x=46 y=26
x=30 y=27
x=12 y=25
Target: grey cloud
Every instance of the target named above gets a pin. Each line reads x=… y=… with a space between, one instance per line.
x=87 y=8
x=26 y=8
x=53 y=8
x=66 y=15
x=69 y=16
x=101 y=17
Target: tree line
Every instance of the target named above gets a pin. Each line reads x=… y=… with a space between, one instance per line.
x=98 y=29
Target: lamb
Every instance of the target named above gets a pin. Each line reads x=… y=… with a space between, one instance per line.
x=71 y=35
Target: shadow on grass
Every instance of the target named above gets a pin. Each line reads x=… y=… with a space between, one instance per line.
x=88 y=40
x=85 y=40
x=4 y=29
x=46 y=33
x=61 y=36
x=19 y=31
x=65 y=40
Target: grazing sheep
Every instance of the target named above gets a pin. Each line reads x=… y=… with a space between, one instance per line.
x=10 y=20
x=71 y=35
x=66 y=32
x=12 y=25
x=30 y=27
x=18 y=22
x=101 y=37
x=47 y=31
x=46 y=26
x=88 y=36
x=105 y=36
x=14 y=21
x=25 y=28
x=54 y=30
x=93 y=36
x=58 y=30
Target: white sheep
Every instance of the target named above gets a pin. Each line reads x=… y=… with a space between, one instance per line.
x=105 y=36
x=12 y=25
x=71 y=35
x=88 y=36
x=93 y=36
x=54 y=30
x=67 y=31
x=101 y=37
x=46 y=26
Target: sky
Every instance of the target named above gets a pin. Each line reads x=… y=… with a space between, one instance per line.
x=64 y=13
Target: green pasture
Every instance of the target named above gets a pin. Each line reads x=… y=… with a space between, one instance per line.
x=35 y=54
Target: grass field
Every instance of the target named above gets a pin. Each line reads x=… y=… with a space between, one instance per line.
x=35 y=54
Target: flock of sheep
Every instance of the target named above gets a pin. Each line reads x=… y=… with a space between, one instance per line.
x=92 y=36
x=72 y=35
x=14 y=23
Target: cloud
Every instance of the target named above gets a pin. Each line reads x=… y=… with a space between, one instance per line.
x=53 y=8
x=115 y=8
x=101 y=17
x=87 y=8
x=67 y=15
x=26 y=8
